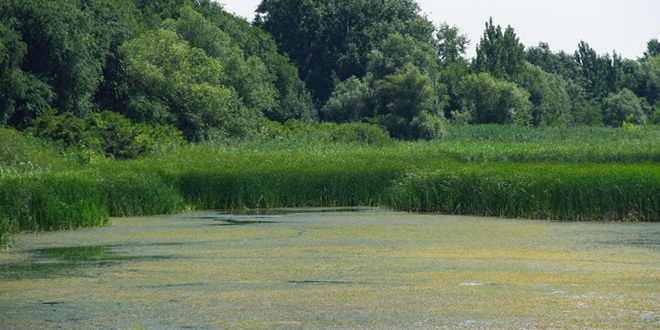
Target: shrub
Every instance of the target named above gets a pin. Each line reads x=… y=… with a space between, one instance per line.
x=360 y=133
x=621 y=107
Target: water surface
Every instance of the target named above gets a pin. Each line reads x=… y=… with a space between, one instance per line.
x=333 y=268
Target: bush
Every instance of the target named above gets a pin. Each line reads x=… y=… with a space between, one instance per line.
x=621 y=107
x=488 y=100
x=22 y=152
x=106 y=133
x=349 y=101
x=360 y=133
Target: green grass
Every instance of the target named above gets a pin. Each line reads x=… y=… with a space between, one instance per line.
x=569 y=174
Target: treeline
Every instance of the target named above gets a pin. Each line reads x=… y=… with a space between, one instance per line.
x=382 y=62
x=120 y=76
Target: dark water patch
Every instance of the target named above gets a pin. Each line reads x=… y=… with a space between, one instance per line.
x=319 y=282
x=234 y=222
x=648 y=240
x=72 y=261
x=172 y=285
x=288 y=211
x=267 y=216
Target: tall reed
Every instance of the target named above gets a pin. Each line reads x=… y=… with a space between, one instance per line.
x=534 y=191
x=50 y=201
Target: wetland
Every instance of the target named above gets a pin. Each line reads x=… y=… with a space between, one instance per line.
x=367 y=268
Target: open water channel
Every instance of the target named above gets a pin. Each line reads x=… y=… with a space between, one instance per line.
x=333 y=269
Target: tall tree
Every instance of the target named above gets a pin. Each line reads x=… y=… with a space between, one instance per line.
x=500 y=53
x=599 y=75
x=329 y=39
x=451 y=43
x=249 y=77
x=22 y=95
x=621 y=107
x=652 y=49
x=68 y=42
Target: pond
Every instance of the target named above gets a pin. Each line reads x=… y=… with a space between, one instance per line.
x=365 y=268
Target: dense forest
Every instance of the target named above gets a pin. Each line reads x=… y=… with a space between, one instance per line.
x=115 y=76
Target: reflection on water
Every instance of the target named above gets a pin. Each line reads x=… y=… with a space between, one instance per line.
x=70 y=261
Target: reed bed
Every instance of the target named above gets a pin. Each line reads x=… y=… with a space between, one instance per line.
x=51 y=201
x=618 y=192
x=568 y=174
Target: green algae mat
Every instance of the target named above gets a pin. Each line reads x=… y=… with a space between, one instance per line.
x=333 y=269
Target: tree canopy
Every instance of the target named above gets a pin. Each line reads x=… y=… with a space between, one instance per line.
x=192 y=67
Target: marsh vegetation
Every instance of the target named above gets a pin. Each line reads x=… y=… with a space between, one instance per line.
x=592 y=174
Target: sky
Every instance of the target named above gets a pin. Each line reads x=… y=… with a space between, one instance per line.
x=624 y=26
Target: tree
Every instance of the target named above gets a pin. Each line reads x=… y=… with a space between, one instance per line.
x=22 y=95
x=500 y=53
x=551 y=102
x=329 y=40
x=599 y=75
x=264 y=78
x=488 y=100
x=621 y=107
x=250 y=78
x=68 y=42
x=396 y=51
x=350 y=101
x=407 y=104
x=173 y=83
x=451 y=44
x=652 y=49
x=651 y=79
x=560 y=63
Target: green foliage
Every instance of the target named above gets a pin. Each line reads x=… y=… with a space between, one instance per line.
x=451 y=44
x=106 y=133
x=351 y=100
x=343 y=34
x=652 y=49
x=22 y=95
x=179 y=85
x=500 y=53
x=621 y=107
x=249 y=78
x=293 y=101
x=651 y=79
x=20 y=153
x=398 y=50
x=487 y=100
x=551 y=102
x=66 y=130
x=407 y=104
x=48 y=202
x=68 y=43
x=599 y=75
x=120 y=138
x=360 y=133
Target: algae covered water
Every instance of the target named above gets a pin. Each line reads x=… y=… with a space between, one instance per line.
x=333 y=268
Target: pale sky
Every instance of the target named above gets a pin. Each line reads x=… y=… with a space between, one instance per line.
x=622 y=25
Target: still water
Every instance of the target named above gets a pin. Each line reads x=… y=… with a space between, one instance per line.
x=360 y=268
